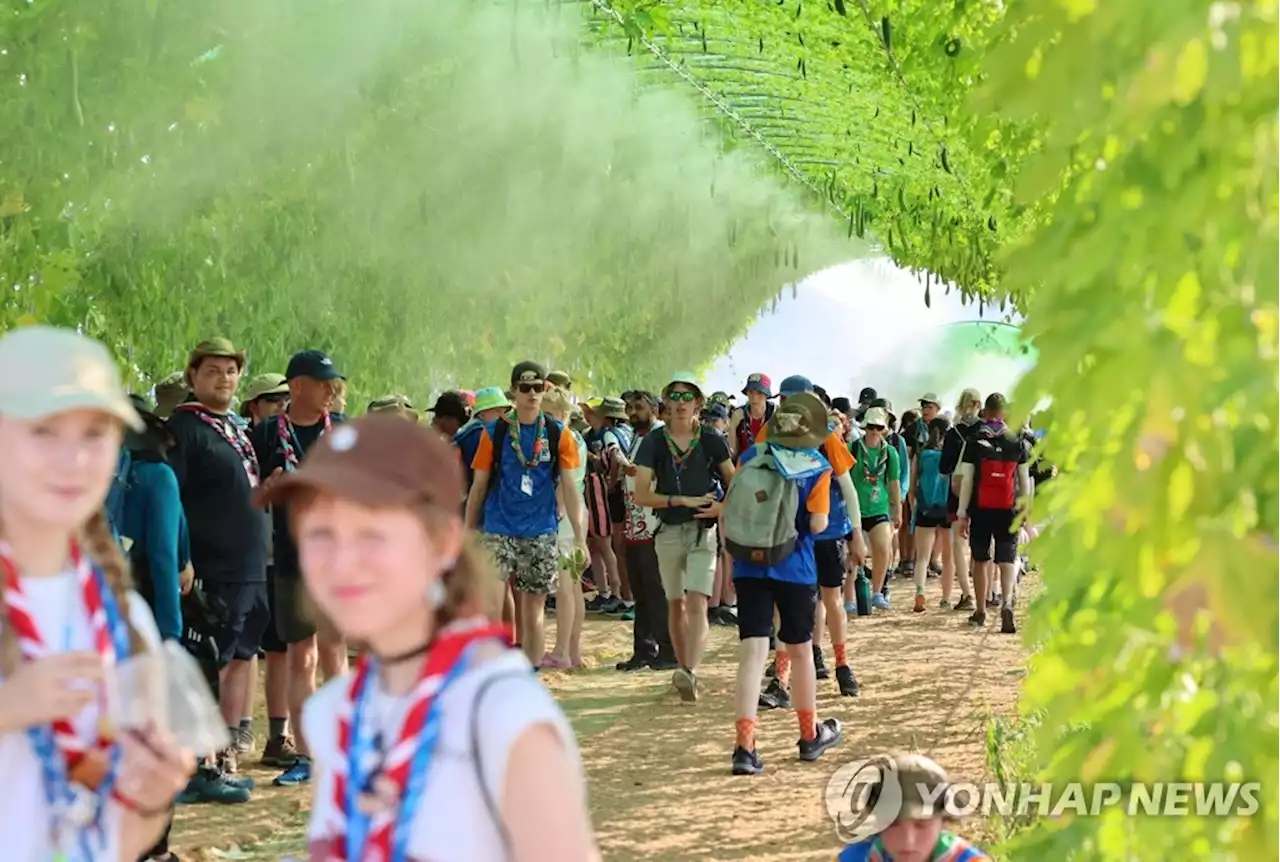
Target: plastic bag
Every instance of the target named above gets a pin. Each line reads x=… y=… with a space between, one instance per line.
x=165 y=689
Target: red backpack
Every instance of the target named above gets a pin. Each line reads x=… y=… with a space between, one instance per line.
x=997 y=471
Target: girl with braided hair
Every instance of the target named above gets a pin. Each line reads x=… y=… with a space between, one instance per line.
x=76 y=788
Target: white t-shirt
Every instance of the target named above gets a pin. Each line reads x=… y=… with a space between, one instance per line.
x=25 y=817
x=453 y=822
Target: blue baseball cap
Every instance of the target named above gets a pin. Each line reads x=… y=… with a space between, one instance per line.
x=794 y=385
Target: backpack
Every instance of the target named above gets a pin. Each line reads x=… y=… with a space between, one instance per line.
x=502 y=428
x=463 y=436
x=932 y=488
x=742 y=431
x=120 y=484
x=997 y=471
x=760 y=512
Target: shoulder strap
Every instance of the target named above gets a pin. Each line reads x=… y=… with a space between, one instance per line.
x=554 y=429
x=500 y=431
x=495 y=811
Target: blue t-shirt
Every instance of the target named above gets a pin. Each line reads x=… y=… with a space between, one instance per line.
x=151 y=516
x=523 y=504
x=799 y=567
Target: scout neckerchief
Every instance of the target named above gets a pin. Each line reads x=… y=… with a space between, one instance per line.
x=680 y=459
x=366 y=829
x=539 y=439
x=871 y=473
x=950 y=848
x=231 y=431
x=78 y=775
x=289 y=442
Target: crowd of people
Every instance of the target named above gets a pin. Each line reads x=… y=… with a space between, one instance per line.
x=261 y=525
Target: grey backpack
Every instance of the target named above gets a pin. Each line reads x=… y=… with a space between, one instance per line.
x=760 y=512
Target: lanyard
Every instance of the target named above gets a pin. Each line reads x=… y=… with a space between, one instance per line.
x=232 y=432
x=539 y=439
x=362 y=765
x=289 y=442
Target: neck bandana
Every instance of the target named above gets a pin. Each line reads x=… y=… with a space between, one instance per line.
x=289 y=443
x=232 y=432
x=539 y=439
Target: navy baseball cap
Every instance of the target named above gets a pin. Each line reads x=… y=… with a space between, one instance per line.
x=794 y=385
x=315 y=364
x=715 y=410
x=867 y=395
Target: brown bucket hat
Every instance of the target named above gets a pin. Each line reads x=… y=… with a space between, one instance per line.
x=376 y=460
x=216 y=347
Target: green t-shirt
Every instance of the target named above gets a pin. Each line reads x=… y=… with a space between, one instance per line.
x=872 y=474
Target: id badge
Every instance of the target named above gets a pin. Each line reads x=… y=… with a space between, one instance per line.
x=875 y=494
x=526 y=485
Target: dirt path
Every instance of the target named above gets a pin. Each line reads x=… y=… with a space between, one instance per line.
x=658 y=771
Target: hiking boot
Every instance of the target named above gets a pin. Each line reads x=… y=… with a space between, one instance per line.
x=663 y=662
x=636 y=662
x=774 y=696
x=210 y=785
x=279 y=752
x=978 y=618
x=746 y=762
x=829 y=735
x=227 y=761
x=918 y=607
x=1007 y=625
x=242 y=740
x=686 y=683
x=820 y=664
x=299 y=773
x=845 y=680
x=965 y=604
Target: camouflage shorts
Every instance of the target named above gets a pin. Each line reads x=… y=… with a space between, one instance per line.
x=531 y=563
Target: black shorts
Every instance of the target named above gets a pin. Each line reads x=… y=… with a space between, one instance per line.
x=757 y=598
x=617 y=507
x=870 y=523
x=987 y=526
x=247 y=615
x=953 y=504
x=295 y=615
x=932 y=520
x=271 y=641
x=828 y=555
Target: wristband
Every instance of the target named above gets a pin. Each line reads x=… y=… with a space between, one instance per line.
x=132 y=805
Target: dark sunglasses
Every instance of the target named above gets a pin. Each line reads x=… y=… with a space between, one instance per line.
x=682 y=396
x=276 y=398
x=874 y=427
x=527 y=388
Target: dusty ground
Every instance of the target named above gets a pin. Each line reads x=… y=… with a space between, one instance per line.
x=658 y=771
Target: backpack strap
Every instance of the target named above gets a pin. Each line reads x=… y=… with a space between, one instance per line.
x=501 y=428
x=477 y=760
x=554 y=430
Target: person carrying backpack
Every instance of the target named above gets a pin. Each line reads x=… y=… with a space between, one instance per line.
x=930 y=521
x=779 y=499
x=747 y=422
x=994 y=472
x=878 y=481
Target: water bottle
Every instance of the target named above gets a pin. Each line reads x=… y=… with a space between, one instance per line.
x=862 y=592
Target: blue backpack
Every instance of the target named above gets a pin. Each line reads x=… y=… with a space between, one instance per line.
x=932 y=489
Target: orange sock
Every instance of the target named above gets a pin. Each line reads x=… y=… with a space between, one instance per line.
x=841 y=659
x=808 y=724
x=747 y=734
x=782 y=665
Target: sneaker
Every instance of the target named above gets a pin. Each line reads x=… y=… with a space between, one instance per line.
x=829 y=735
x=243 y=741
x=164 y=857
x=609 y=605
x=965 y=604
x=628 y=615
x=299 y=773
x=596 y=602
x=845 y=680
x=918 y=607
x=944 y=605
x=636 y=662
x=934 y=569
x=210 y=785
x=227 y=761
x=772 y=670
x=620 y=606
x=244 y=782
x=686 y=683
x=663 y=663
x=880 y=602
x=1007 y=625
x=729 y=615
x=993 y=602
x=774 y=696
x=746 y=762
x=978 y=618
x=279 y=752
x=550 y=604
x=820 y=669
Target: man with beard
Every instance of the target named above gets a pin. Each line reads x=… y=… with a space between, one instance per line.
x=651 y=641
x=217 y=470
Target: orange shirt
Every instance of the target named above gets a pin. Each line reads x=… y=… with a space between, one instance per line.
x=837 y=454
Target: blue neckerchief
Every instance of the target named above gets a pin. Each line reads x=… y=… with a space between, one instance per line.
x=361 y=769
x=53 y=766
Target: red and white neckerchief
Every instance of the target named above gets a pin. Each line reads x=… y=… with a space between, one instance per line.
x=33 y=644
x=231 y=431
x=449 y=647
x=289 y=443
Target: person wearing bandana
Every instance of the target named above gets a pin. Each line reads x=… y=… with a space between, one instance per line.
x=441 y=745
x=77 y=788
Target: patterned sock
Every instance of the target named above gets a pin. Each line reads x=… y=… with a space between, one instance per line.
x=746 y=733
x=808 y=724
x=841 y=658
x=782 y=665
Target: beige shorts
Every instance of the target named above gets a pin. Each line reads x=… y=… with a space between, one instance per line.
x=686 y=559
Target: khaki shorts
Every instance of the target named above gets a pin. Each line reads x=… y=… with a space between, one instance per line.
x=686 y=559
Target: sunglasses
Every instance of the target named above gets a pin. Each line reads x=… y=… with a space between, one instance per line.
x=874 y=427
x=277 y=398
x=528 y=388
x=682 y=396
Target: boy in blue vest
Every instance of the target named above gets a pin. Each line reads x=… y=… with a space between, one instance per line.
x=791 y=448
x=916 y=831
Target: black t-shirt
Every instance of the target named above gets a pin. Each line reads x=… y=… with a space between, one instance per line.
x=987 y=443
x=697 y=476
x=228 y=533
x=270 y=449
x=953 y=444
